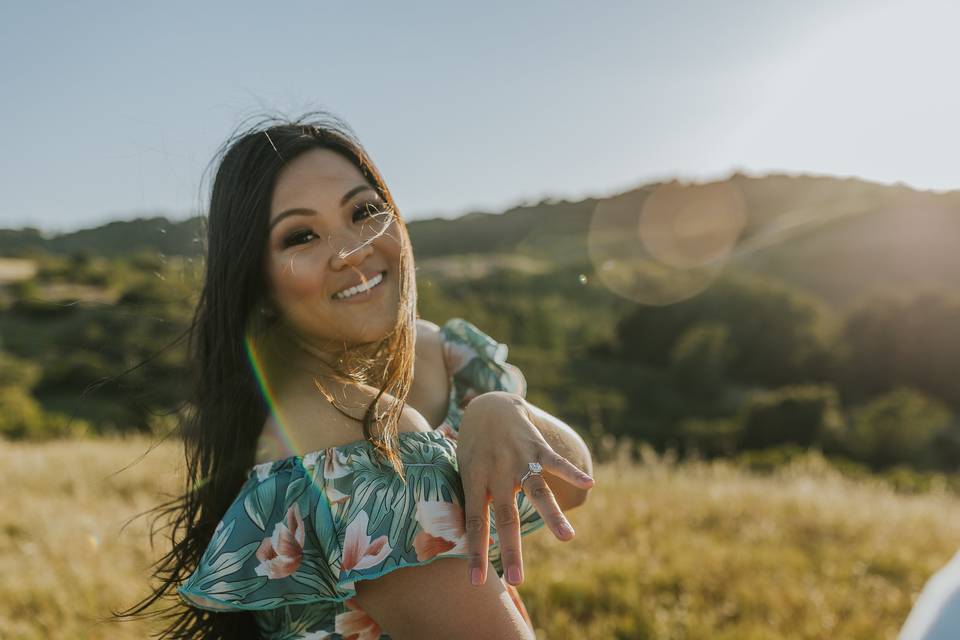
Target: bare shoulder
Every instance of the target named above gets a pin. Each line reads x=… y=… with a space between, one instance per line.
x=429 y=342
x=428 y=331
x=468 y=612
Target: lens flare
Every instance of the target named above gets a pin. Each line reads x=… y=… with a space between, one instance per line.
x=666 y=245
x=285 y=444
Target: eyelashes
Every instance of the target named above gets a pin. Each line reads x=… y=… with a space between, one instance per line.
x=297 y=238
x=361 y=211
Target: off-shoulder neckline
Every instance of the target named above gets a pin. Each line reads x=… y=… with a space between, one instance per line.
x=402 y=435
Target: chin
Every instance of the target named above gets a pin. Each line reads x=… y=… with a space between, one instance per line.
x=367 y=330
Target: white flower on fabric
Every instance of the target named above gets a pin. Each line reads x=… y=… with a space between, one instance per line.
x=336 y=464
x=356 y=624
x=359 y=552
x=443 y=529
x=263 y=470
x=281 y=554
x=310 y=460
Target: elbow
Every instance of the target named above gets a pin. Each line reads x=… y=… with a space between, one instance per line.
x=582 y=498
x=579 y=496
x=572 y=499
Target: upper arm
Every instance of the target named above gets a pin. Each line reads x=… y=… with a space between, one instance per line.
x=519 y=374
x=425 y=328
x=436 y=600
x=428 y=346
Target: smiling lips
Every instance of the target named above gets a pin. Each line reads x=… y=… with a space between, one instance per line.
x=371 y=282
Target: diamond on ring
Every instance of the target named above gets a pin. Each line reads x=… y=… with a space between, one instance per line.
x=534 y=469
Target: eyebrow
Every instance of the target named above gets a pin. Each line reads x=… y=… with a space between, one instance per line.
x=302 y=211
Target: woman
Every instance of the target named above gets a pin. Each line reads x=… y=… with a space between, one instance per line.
x=936 y=612
x=330 y=492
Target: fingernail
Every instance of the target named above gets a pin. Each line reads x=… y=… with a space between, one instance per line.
x=566 y=529
x=475 y=576
x=513 y=575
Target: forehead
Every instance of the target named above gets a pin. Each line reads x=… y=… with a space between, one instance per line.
x=316 y=178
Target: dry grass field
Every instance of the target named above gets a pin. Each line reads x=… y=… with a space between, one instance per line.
x=662 y=550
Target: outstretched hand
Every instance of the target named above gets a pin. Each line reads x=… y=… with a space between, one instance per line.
x=497 y=441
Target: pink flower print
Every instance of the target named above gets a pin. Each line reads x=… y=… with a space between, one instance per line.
x=356 y=624
x=457 y=355
x=280 y=554
x=358 y=551
x=444 y=529
x=447 y=431
x=335 y=464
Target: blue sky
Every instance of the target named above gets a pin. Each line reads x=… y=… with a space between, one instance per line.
x=113 y=110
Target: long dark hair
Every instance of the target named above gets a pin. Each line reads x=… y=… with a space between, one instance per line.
x=227 y=410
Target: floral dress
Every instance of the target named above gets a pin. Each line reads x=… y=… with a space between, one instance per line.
x=303 y=530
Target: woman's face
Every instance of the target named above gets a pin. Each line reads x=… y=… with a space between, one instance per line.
x=320 y=217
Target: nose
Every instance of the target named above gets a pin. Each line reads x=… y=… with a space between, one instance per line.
x=350 y=253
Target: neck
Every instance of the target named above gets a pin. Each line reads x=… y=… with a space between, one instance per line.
x=294 y=366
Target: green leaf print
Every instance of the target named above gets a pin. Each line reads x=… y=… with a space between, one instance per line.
x=315 y=573
x=486 y=375
x=294 y=490
x=266 y=603
x=323 y=523
x=235 y=590
x=225 y=564
x=367 y=480
x=259 y=503
x=219 y=538
x=279 y=624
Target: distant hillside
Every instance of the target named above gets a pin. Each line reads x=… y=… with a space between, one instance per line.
x=834 y=237
x=116 y=238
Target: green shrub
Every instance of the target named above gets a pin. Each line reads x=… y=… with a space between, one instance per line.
x=800 y=415
x=710 y=438
x=900 y=427
x=699 y=360
x=23 y=418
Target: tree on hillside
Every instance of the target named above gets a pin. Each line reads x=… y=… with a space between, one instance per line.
x=797 y=415
x=904 y=339
x=699 y=361
x=904 y=427
x=779 y=335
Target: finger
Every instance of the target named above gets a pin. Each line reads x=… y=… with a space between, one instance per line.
x=507 y=517
x=538 y=492
x=560 y=466
x=477 y=521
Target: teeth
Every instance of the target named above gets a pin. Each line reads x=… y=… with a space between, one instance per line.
x=352 y=291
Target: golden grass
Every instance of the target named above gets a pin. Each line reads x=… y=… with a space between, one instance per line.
x=662 y=551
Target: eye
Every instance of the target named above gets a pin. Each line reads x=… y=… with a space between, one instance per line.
x=297 y=237
x=369 y=209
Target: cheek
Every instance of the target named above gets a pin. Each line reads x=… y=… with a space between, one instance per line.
x=296 y=278
x=389 y=245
